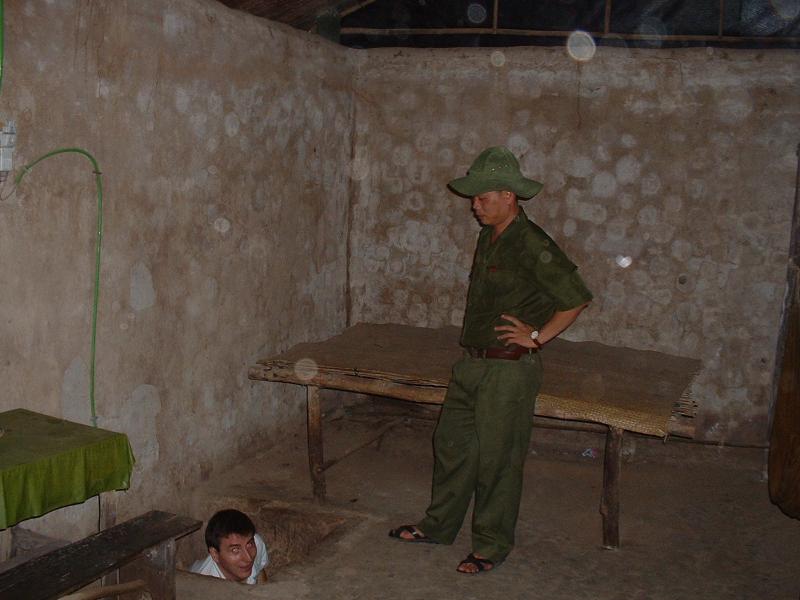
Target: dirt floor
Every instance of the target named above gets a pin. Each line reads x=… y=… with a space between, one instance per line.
x=696 y=522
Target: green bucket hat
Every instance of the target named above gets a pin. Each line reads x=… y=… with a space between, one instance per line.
x=496 y=169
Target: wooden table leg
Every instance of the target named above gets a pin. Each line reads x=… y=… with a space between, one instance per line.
x=609 y=504
x=156 y=567
x=315 y=454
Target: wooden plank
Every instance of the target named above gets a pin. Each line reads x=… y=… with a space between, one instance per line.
x=634 y=389
x=76 y=565
x=784 y=449
x=547 y=406
x=108 y=591
x=351 y=6
x=316 y=459
x=156 y=567
x=409 y=31
x=351 y=383
x=297 y=13
x=609 y=503
x=5 y=546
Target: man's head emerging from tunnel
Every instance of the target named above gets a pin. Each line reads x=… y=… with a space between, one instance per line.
x=230 y=537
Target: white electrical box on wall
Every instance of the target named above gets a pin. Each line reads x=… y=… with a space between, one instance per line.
x=8 y=137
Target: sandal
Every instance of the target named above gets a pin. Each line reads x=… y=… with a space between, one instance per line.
x=417 y=537
x=481 y=564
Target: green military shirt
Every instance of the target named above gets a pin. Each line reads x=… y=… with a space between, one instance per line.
x=523 y=274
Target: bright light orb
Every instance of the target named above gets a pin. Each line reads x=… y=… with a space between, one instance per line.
x=306 y=369
x=476 y=13
x=497 y=58
x=786 y=9
x=624 y=261
x=581 y=46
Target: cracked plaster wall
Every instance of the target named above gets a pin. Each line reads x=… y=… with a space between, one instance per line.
x=668 y=179
x=224 y=142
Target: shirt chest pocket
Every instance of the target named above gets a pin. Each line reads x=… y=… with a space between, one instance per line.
x=501 y=280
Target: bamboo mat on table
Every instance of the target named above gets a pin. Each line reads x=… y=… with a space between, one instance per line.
x=636 y=390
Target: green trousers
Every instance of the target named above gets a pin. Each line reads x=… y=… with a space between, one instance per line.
x=480 y=446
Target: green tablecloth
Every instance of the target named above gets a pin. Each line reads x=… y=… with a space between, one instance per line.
x=47 y=463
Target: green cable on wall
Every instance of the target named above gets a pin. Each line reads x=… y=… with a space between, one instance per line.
x=97 y=245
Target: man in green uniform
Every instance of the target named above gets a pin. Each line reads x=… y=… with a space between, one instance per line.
x=523 y=292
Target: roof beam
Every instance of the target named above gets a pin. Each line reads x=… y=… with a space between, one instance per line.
x=553 y=33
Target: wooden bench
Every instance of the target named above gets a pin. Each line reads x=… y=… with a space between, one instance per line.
x=145 y=545
x=623 y=389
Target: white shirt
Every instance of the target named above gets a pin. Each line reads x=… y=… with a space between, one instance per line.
x=210 y=568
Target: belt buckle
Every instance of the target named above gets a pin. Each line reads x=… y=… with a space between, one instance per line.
x=475 y=352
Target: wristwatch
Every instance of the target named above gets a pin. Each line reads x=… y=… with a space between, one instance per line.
x=534 y=338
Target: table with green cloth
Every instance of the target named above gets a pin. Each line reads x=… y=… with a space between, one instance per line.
x=47 y=463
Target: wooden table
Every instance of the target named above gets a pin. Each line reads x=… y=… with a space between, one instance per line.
x=620 y=388
x=47 y=463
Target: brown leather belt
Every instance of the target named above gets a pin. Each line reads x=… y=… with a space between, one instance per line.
x=513 y=352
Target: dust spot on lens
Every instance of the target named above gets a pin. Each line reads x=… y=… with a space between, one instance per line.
x=786 y=9
x=222 y=224
x=476 y=13
x=581 y=46
x=306 y=369
x=497 y=58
